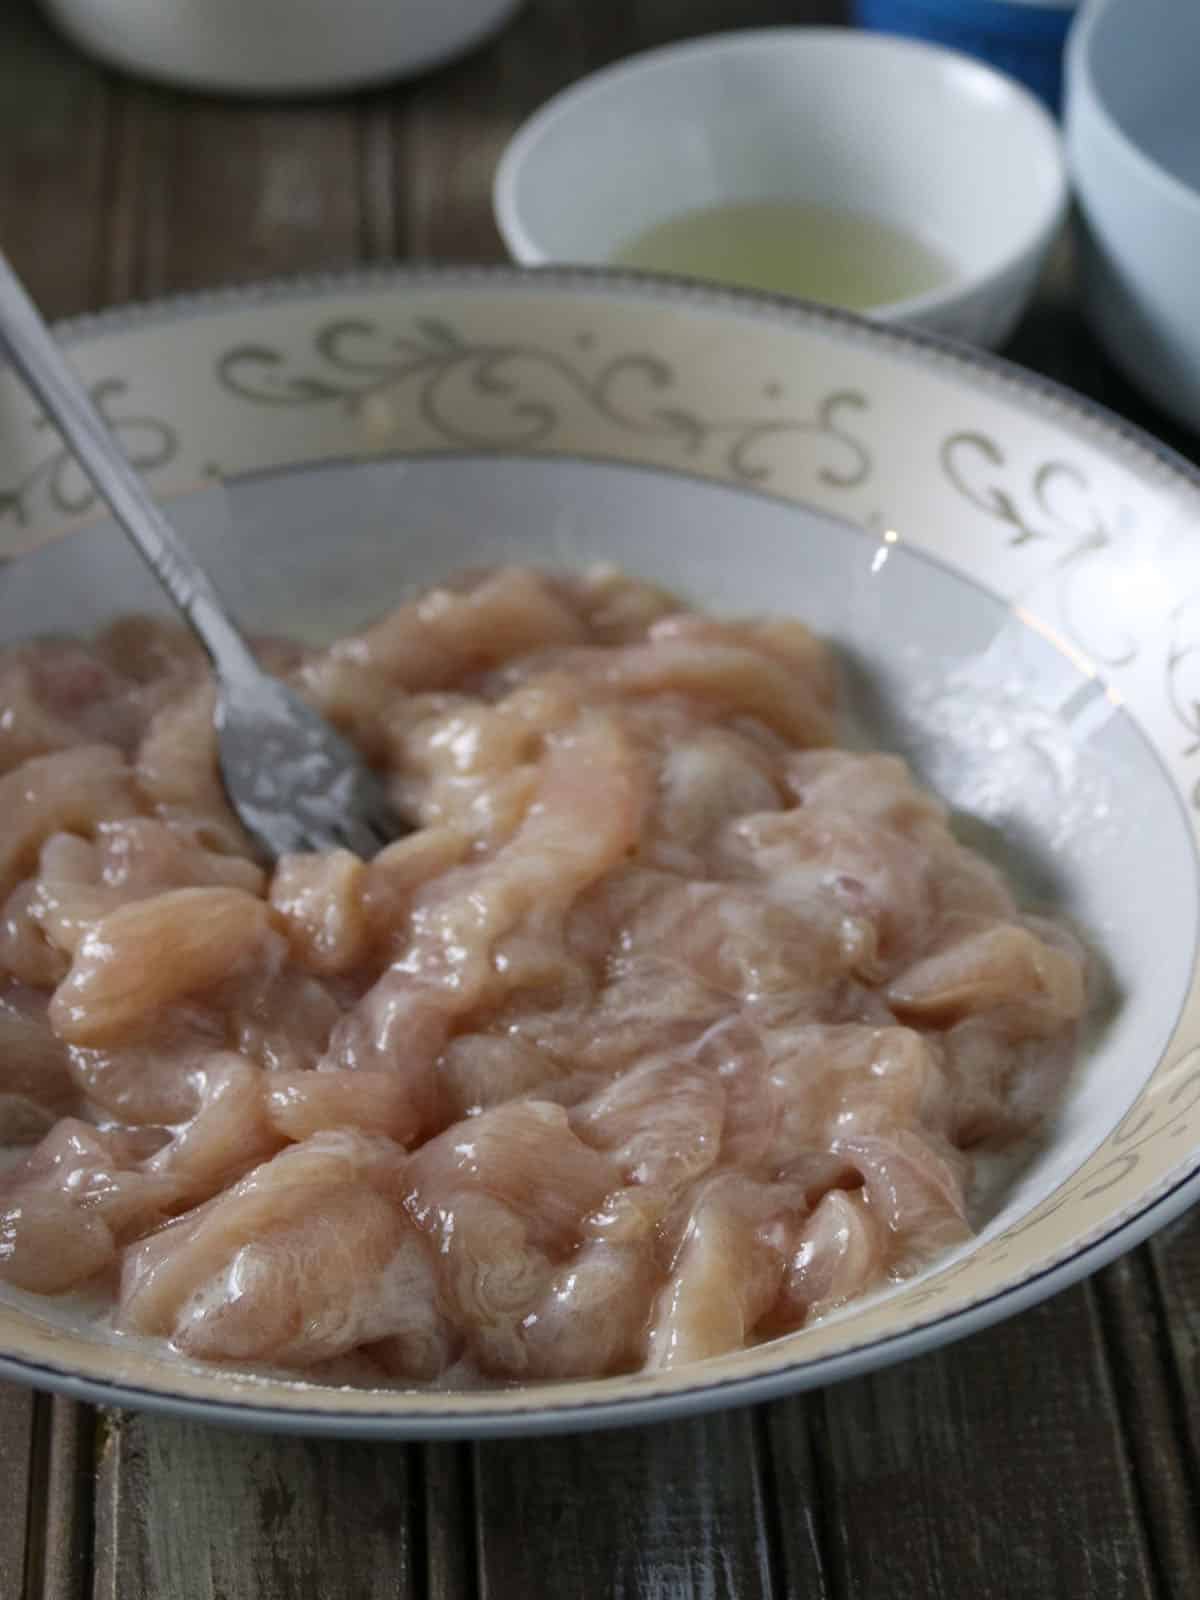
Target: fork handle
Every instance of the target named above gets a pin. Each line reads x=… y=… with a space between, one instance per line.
x=36 y=355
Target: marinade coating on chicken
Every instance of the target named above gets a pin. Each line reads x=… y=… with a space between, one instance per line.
x=670 y=1027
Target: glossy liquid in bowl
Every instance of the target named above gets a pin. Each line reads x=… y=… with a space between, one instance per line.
x=842 y=258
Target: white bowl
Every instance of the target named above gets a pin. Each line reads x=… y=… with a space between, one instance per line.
x=932 y=511
x=911 y=133
x=1133 y=140
x=278 y=46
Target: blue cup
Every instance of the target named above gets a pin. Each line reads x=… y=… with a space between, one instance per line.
x=1023 y=38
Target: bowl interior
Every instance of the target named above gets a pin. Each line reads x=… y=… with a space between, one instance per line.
x=380 y=430
x=1053 y=778
x=823 y=116
x=1142 y=56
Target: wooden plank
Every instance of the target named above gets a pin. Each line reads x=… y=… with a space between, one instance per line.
x=16 y=1461
x=1156 y=1405
x=658 y=1513
x=54 y=139
x=184 y=1510
x=1175 y=1287
x=257 y=191
x=794 y=1497
x=993 y=1468
x=58 y=1550
x=138 y=194
x=1175 y=1260
x=208 y=191
x=446 y=1494
x=379 y=225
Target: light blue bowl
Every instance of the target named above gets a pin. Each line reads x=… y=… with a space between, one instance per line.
x=1024 y=38
x=1133 y=137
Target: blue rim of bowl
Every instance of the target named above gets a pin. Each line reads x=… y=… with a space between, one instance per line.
x=969 y=286
x=1175 y=1193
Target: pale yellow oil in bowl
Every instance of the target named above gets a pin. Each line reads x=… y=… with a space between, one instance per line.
x=842 y=258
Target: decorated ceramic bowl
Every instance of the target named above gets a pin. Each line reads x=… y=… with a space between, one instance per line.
x=1009 y=574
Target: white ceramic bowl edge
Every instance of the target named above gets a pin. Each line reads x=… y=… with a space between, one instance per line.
x=913 y=133
x=278 y=46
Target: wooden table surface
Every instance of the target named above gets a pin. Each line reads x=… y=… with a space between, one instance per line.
x=1056 y=1455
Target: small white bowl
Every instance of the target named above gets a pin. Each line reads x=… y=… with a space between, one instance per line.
x=278 y=47
x=1133 y=141
x=909 y=133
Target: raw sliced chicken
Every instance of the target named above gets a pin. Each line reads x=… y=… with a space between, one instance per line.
x=33 y=1062
x=301 y=1104
x=28 y=728
x=148 y=1079
x=669 y=1026
x=915 y=1185
x=147 y=954
x=831 y=1083
x=582 y=822
x=72 y=789
x=280 y=1016
x=177 y=771
x=524 y=1156
x=151 y=651
x=23 y=1120
x=873 y=788
x=728 y=679
x=478 y=1071
x=75 y=1198
x=591 y=1318
x=160 y=1275
x=660 y=1122
x=227 y=1133
x=617 y=608
x=399 y=871
x=79 y=882
x=503 y=1198
x=1041 y=988
x=350 y=1272
x=320 y=903
x=872 y=874
x=433 y=642
x=1001 y=1089
x=25 y=952
x=706 y=777
x=838 y=1253
x=57 y=694
x=728 y=1271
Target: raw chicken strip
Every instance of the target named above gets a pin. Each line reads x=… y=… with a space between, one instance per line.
x=161 y=1275
x=67 y=1207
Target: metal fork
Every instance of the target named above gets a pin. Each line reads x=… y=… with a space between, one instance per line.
x=294 y=782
